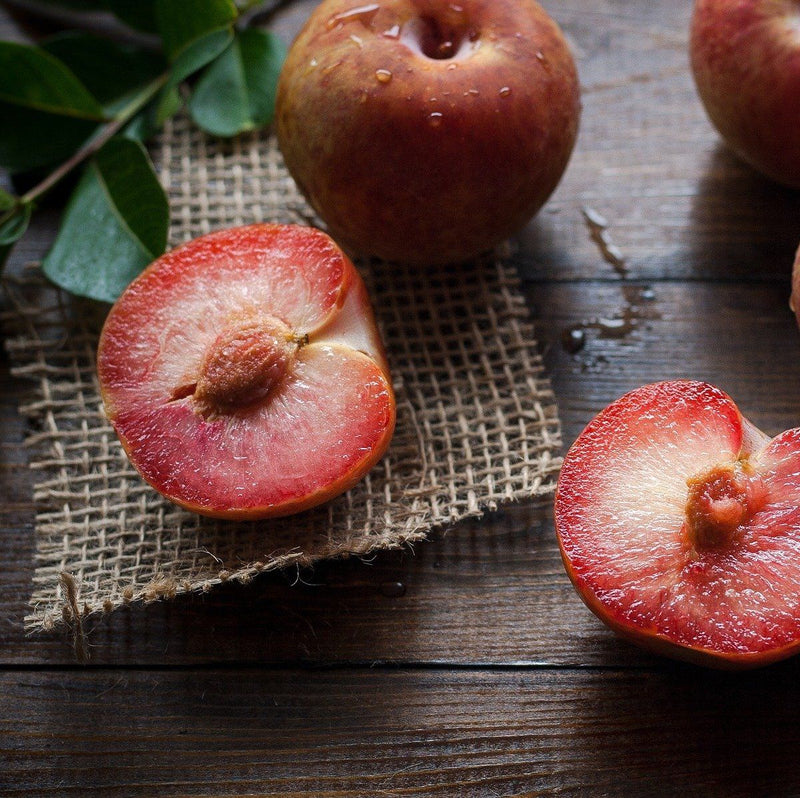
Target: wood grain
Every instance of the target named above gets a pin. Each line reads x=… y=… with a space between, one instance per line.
x=678 y=205
x=348 y=733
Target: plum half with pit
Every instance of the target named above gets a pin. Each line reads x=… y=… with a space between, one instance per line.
x=245 y=375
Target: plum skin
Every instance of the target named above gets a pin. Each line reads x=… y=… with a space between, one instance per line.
x=745 y=59
x=424 y=159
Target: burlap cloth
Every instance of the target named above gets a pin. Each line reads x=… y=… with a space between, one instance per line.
x=477 y=423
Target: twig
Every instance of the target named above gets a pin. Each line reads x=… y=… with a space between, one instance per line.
x=98 y=140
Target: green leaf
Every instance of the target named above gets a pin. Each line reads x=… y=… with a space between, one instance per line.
x=14 y=227
x=199 y=53
x=183 y=22
x=46 y=112
x=32 y=78
x=237 y=91
x=150 y=119
x=31 y=139
x=194 y=57
x=194 y=33
x=110 y=71
x=115 y=224
x=139 y=14
x=7 y=201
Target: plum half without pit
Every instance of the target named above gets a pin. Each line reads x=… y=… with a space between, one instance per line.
x=679 y=525
x=244 y=373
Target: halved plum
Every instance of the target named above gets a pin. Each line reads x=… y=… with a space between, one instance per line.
x=244 y=373
x=679 y=525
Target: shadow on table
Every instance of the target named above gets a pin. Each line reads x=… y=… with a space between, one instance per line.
x=742 y=225
x=485 y=591
x=691 y=731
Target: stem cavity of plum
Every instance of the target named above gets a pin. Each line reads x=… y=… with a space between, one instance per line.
x=440 y=39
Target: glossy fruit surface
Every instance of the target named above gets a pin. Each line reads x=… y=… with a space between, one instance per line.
x=244 y=373
x=745 y=57
x=679 y=525
x=426 y=131
x=794 y=299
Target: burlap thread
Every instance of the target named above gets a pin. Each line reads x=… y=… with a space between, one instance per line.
x=477 y=421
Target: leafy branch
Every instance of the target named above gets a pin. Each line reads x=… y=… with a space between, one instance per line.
x=82 y=104
x=97 y=141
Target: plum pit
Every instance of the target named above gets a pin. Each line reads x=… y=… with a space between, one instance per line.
x=246 y=361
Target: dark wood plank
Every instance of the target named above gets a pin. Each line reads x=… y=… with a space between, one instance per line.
x=678 y=205
x=741 y=337
x=469 y=666
x=394 y=733
x=492 y=593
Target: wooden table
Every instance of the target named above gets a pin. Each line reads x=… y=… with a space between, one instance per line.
x=467 y=667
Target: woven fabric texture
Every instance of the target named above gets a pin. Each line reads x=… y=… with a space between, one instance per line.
x=477 y=422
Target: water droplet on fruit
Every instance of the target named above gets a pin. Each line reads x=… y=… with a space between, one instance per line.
x=505 y=91
x=328 y=69
x=542 y=59
x=435 y=119
x=357 y=40
x=471 y=93
x=392 y=33
x=364 y=14
x=452 y=65
x=383 y=75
